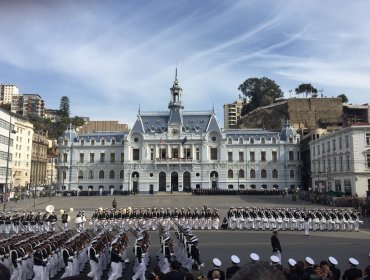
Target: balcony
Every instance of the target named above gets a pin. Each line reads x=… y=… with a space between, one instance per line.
x=173 y=160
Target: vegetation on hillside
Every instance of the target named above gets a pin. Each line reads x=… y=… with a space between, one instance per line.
x=259 y=92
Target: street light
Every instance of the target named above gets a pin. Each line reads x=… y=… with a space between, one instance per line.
x=8 y=156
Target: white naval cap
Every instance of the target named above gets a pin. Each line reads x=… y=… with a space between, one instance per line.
x=235 y=259
x=292 y=262
x=254 y=257
x=275 y=259
x=333 y=260
x=216 y=262
x=353 y=261
x=309 y=261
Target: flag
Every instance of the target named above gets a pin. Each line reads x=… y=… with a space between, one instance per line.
x=183 y=141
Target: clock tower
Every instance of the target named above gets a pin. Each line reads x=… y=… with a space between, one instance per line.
x=175 y=120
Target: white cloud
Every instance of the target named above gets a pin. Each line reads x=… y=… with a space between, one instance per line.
x=117 y=55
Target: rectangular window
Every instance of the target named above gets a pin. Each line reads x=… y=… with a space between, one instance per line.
x=367 y=139
x=318 y=149
x=341 y=163
x=251 y=156
x=274 y=155
x=334 y=145
x=163 y=153
x=348 y=163
x=298 y=155
x=328 y=147
x=103 y=142
x=187 y=153
x=65 y=157
x=323 y=148
x=136 y=154
x=112 y=157
x=368 y=185
x=122 y=157
x=241 y=156
x=347 y=141
x=368 y=160
x=197 y=154
x=82 y=142
x=175 y=153
x=151 y=154
x=92 y=157
x=102 y=157
x=263 y=156
x=340 y=143
x=291 y=155
x=229 y=156
x=213 y=153
x=81 y=157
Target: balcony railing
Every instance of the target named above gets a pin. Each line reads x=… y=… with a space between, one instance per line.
x=173 y=160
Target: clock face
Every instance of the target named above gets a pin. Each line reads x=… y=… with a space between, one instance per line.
x=175 y=132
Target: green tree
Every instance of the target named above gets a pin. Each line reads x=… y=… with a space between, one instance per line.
x=77 y=121
x=260 y=92
x=305 y=88
x=344 y=98
x=64 y=107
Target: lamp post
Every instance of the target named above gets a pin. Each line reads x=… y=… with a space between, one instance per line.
x=8 y=156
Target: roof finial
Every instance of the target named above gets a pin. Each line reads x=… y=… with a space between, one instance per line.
x=139 y=109
x=176 y=72
x=213 y=108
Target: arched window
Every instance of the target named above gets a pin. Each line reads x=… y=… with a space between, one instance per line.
x=273 y=140
x=240 y=141
x=91 y=174
x=241 y=173
x=264 y=187
x=101 y=174
x=230 y=174
x=229 y=141
x=263 y=140
x=275 y=173
x=253 y=187
x=80 y=175
x=252 y=173
x=121 y=174
x=112 y=175
x=291 y=174
x=263 y=173
x=251 y=140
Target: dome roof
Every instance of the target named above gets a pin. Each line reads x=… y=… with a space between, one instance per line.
x=70 y=133
x=287 y=132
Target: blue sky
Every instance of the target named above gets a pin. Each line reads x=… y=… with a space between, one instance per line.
x=110 y=57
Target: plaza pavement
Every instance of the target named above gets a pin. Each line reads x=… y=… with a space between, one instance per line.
x=222 y=244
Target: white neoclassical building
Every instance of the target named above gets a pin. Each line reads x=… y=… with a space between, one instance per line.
x=340 y=161
x=179 y=150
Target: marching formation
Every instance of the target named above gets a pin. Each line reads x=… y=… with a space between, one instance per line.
x=293 y=219
x=150 y=218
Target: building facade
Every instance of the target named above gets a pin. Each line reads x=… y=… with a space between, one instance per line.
x=28 y=104
x=21 y=172
x=6 y=149
x=232 y=113
x=340 y=161
x=179 y=150
x=6 y=93
x=39 y=159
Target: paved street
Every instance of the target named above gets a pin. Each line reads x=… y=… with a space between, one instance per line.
x=222 y=244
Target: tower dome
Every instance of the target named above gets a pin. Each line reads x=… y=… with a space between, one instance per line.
x=287 y=132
